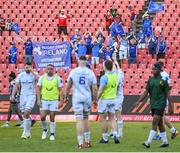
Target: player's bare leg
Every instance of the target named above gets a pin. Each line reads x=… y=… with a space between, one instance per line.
x=152 y=133
x=119 y=123
x=104 y=124
x=173 y=131
x=163 y=133
x=27 y=125
x=114 y=126
x=80 y=131
x=87 y=134
x=44 y=124
x=52 y=125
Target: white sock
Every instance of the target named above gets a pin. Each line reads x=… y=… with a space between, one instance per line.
x=172 y=130
x=120 y=127
x=151 y=136
x=87 y=136
x=80 y=139
x=164 y=137
x=105 y=136
x=27 y=125
x=114 y=133
x=52 y=127
x=44 y=125
x=159 y=133
x=7 y=122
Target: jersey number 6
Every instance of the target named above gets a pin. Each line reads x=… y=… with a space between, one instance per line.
x=82 y=80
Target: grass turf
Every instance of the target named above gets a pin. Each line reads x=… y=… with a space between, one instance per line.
x=134 y=135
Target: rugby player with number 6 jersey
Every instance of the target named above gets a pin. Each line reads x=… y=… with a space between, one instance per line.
x=84 y=85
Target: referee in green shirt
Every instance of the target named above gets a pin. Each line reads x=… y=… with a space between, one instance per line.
x=158 y=90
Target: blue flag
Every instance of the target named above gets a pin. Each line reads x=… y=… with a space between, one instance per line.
x=56 y=53
x=15 y=27
x=155 y=7
x=117 y=29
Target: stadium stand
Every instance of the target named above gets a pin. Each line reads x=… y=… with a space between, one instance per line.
x=36 y=19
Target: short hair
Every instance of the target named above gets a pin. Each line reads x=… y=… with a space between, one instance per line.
x=50 y=65
x=28 y=63
x=161 y=63
x=108 y=65
x=12 y=74
x=82 y=58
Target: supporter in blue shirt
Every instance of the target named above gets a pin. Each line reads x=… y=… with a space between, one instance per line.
x=147 y=25
x=13 y=54
x=75 y=36
x=100 y=37
x=161 y=47
x=82 y=49
x=88 y=42
x=28 y=45
x=141 y=39
x=152 y=44
x=132 y=51
x=95 y=52
x=107 y=53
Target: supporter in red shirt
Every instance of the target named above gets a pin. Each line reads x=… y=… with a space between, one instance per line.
x=62 y=22
x=108 y=19
x=133 y=16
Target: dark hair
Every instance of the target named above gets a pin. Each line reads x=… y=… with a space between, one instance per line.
x=161 y=63
x=50 y=65
x=28 y=63
x=109 y=65
x=12 y=74
x=82 y=58
x=157 y=66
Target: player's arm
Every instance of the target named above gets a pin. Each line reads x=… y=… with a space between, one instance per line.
x=67 y=89
x=39 y=88
x=100 y=91
x=61 y=92
x=145 y=94
x=35 y=74
x=15 y=90
x=167 y=92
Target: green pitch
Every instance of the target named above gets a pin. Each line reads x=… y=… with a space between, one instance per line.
x=134 y=135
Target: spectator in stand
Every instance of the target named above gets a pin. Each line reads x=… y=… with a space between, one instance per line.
x=123 y=49
x=8 y=26
x=2 y=25
x=88 y=42
x=114 y=46
x=161 y=47
x=106 y=52
x=108 y=19
x=13 y=54
x=28 y=47
x=62 y=22
x=147 y=25
x=82 y=49
x=141 y=39
x=132 y=51
x=131 y=35
x=118 y=18
x=96 y=46
x=133 y=17
x=152 y=45
x=75 y=36
x=113 y=11
x=100 y=37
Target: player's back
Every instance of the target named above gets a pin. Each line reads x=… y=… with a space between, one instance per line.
x=82 y=79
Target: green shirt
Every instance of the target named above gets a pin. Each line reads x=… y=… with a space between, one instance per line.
x=158 y=90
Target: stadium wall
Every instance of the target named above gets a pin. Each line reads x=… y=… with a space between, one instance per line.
x=130 y=113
